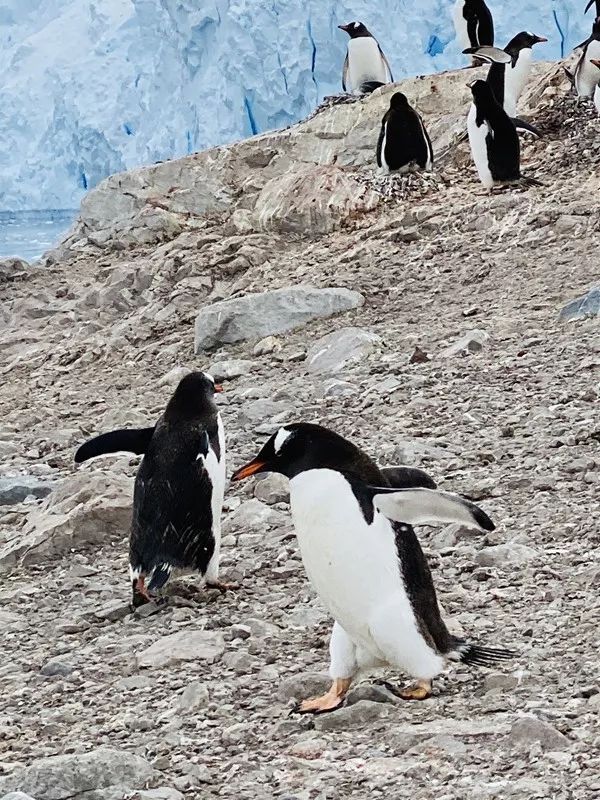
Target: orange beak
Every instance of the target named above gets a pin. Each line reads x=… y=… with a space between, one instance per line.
x=218 y=388
x=247 y=470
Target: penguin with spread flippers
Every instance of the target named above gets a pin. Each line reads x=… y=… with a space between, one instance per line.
x=508 y=76
x=179 y=488
x=474 y=24
x=493 y=140
x=363 y=559
x=403 y=143
x=587 y=74
x=365 y=67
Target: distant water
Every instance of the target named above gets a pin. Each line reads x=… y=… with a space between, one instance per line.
x=28 y=234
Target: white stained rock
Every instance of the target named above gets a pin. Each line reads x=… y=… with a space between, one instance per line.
x=333 y=352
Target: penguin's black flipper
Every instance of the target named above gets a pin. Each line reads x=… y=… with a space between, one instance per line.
x=132 y=440
x=424 y=506
x=408 y=478
x=491 y=55
x=521 y=125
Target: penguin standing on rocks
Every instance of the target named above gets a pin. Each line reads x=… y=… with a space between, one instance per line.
x=179 y=488
x=474 y=24
x=403 y=141
x=508 y=77
x=493 y=139
x=365 y=562
x=365 y=67
x=587 y=73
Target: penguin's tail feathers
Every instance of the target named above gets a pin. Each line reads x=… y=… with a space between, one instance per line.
x=367 y=87
x=478 y=655
x=160 y=575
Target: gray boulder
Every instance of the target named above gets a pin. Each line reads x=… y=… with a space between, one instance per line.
x=256 y=316
x=15 y=490
x=333 y=352
x=186 y=645
x=530 y=729
x=274 y=488
x=588 y=305
x=100 y=774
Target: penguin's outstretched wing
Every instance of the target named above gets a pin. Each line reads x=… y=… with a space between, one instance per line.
x=408 y=478
x=522 y=125
x=128 y=440
x=345 y=74
x=491 y=55
x=421 y=506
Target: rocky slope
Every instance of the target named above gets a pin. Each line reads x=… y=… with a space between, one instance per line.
x=450 y=354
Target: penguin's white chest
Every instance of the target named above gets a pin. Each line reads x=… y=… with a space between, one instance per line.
x=515 y=79
x=353 y=566
x=587 y=74
x=597 y=98
x=364 y=63
x=478 y=142
x=460 y=25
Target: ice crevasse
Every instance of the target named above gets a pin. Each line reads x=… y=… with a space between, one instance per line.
x=93 y=87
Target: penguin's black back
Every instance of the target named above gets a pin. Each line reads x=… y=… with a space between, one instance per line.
x=495 y=78
x=480 y=23
x=405 y=139
x=172 y=514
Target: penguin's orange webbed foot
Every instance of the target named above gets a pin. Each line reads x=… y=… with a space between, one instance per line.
x=419 y=690
x=333 y=699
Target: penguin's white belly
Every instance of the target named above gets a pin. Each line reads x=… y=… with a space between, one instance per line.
x=587 y=75
x=352 y=566
x=515 y=80
x=364 y=63
x=460 y=25
x=216 y=473
x=597 y=98
x=477 y=141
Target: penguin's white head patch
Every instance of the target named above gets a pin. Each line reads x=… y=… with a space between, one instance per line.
x=283 y=434
x=357 y=24
x=209 y=377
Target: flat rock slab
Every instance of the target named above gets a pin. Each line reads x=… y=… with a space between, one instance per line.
x=333 y=352
x=588 y=305
x=75 y=777
x=256 y=316
x=186 y=645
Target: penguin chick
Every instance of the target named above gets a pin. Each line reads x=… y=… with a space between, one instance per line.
x=179 y=488
x=403 y=141
x=365 y=562
x=365 y=67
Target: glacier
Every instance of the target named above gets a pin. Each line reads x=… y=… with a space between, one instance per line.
x=94 y=87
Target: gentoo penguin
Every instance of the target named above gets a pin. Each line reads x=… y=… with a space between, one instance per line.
x=587 y=74
x=494 y=140
x=596 y=63
x=508 y=77
x=364 y=561
x=473 y=24
x=365 y=66
x=179 y=487
x=403 y=141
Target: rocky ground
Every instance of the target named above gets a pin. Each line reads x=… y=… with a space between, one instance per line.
x=456 y=360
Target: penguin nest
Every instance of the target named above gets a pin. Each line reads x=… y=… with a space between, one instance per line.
x=394 y=188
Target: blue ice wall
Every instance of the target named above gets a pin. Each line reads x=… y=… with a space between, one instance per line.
x=91 y=87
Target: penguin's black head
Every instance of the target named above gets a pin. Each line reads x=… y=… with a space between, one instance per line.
x=193 y=397
x=399 y=101
x=354 y=29
x=304 y=446
x=522 y=41
x=482 y=92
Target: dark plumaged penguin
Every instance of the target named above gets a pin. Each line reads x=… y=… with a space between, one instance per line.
x=179 y=487
x=473 y=24
x=587 y=74
x=403 y=141
x=365 y=67
x=493 y=139
x=365 y=562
